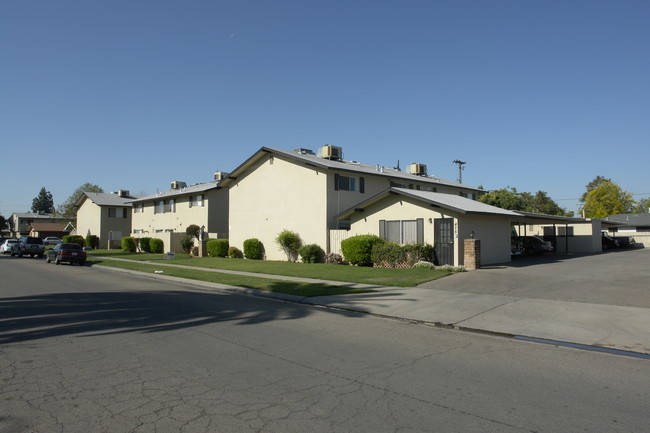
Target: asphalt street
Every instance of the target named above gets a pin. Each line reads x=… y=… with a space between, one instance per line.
x=90 y=350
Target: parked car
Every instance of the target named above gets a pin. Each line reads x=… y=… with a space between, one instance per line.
x=7 y=245
x=609 y=242
x=30 y=246
x=69 y=253
x=532 y=245
x=51 y=240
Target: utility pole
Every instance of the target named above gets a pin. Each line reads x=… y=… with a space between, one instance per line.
x=460 y=169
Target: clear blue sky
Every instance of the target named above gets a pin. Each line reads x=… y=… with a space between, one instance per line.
x=536 y=95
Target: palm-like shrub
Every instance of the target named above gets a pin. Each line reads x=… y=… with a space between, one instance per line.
x=290 y=243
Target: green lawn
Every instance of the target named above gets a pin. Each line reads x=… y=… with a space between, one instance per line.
x=266 y=284
x=353 y=274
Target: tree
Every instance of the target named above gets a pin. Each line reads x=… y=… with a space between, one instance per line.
x=598 y=181
x=509 y=198
x=607 y=199
x=43 y=202
x=642 y=206
x=66 y=209
x=505 y=199
x=3 y=222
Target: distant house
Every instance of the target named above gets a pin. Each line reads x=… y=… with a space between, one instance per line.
x=107 y=216
x=634 y=225
x=22 y=223
x=167 y=214
x=43 y=230
x=304 y=192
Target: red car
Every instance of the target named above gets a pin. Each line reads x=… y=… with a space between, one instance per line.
x=69 y=253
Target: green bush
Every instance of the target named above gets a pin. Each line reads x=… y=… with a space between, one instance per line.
x=74 y=239
x=312 y=253
x=217 y=247
x=92 y=241
x=157 y=245
x=187 y=243
x=145 y=245
x=235 y=253
x=128 y=244
x=392 y=255
x=357 y=250
x=253 y=249
x=290 y=243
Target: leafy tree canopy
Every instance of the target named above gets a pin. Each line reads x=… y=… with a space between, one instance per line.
x=605 y=199
x=509 y=198
x=642 y=206
x=43 y=202
x=3 y=222
x=66 y=209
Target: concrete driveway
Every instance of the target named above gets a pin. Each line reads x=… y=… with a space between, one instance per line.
x=615 y=277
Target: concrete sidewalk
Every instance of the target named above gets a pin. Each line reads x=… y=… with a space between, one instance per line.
x=464 y=301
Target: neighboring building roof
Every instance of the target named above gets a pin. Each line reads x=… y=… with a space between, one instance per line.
x=33 y=215
x=105 y=199
x=629 y=219
x=350 y=166
x=451 y=202
x=49 y=227
x=187 y=190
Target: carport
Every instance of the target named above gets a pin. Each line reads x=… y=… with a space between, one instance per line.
x=567 y=234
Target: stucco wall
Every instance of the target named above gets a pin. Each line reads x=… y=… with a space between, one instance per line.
x=94 y=219
x=275 y=195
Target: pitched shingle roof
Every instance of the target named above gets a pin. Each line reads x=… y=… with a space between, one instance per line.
x=187 y=190
x=349 y=166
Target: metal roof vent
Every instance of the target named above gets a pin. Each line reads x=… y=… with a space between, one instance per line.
x=303 y=151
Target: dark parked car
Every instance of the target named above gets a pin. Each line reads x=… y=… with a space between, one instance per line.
x=69 y=253
x=28 y=246
x=531 y=245
x=609 y=242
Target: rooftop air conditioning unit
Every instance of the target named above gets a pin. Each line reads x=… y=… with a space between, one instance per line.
x=123 y=193
x=303 y=151
x=177 y=184
x=220 y=175
x=334 y=153
x=418 y=169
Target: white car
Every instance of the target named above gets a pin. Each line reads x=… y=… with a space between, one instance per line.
x=7 y=245
x=52 y=240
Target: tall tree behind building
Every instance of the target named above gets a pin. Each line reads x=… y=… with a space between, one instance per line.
x=43 y=202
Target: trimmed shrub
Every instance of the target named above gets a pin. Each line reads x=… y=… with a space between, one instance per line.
x=187 y=243
x=193 y=230
x=128 y=244
x=312 y=253
x=157 y=245
x=235 y=253
x=217 y=247
x=74 y=239
x=92 y=241
x=253 y=249
x=424 y=265
x=290 y=243
x=358 y=249
x=145 y=245
x=392 y=255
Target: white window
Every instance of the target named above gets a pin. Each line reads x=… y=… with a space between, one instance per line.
x=349 y=183
x=402 y=231
x=138 y=208
x=172 y=205
x=196 y=200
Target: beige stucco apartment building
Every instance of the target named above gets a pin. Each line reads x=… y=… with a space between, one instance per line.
x=166 y=215
x=107 y=216
x=305 y=192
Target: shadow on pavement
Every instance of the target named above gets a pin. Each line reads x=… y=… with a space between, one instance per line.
x=33 y=317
